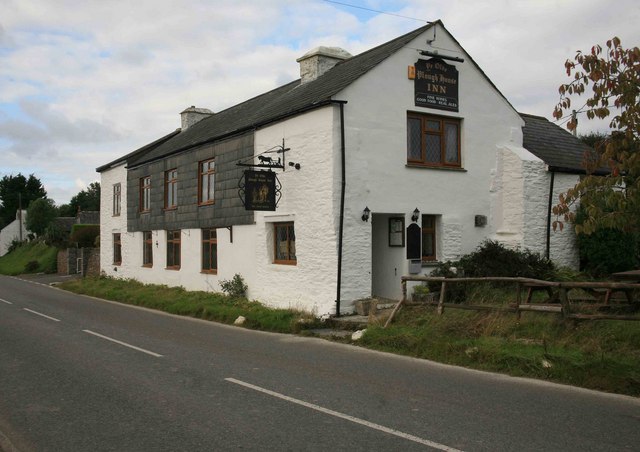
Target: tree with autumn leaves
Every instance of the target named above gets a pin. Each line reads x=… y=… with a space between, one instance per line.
x=610 y=201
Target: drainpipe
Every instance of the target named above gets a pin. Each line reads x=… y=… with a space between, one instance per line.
x=342 y=191
x=553 y=175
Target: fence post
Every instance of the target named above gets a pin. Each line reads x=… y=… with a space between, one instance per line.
x=518 y=299
x=443 y=288
x=564 y=301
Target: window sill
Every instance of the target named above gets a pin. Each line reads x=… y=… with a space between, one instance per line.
x=117 y=264
x=147 y=266
x=430 y=263
x=172 y=268
x=168 y=209
x=285 y=263
x=209 y=272
x=208 y=203
x=115 y=215
x=144 y=211
x=445 y=168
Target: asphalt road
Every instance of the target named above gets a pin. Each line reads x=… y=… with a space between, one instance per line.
x=79 y=374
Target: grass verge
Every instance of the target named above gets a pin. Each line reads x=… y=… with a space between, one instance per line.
x=202 y=305
x=32 y=257
x=602 y=355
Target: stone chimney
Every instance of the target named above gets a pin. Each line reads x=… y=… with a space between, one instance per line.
x=192 y=115
x=316 y=62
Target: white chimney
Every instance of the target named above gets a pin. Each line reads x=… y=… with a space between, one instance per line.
x=316 y=62
x=192 y=115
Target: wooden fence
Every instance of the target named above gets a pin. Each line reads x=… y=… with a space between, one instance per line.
x=558 y=300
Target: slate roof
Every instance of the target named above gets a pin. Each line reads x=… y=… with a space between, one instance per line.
x=552 y=144
x=285 y=101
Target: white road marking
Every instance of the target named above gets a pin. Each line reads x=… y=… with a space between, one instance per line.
x=124 y=344
x=5 y=301
x=41 y=315
x=356 y=420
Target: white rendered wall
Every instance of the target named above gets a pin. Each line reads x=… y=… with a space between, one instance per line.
x=309 y=200
x=522 y=200
x=110 y=224
x=11 y=232
x=377 y=175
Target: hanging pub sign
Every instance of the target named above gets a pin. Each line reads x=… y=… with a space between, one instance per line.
x=259 y=190
x=435 y=84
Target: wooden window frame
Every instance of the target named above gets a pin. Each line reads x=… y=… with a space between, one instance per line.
x=212 y=244
x=117 y=248
x=288 y=261
x=117 y=199
x=174 y=239
x=424 y=132
x=145 y=194
x=433 y=231
x=147 y=249
x=171 y=186
x=202 y=174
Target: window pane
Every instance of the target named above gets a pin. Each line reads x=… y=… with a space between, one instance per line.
x=451 y=142
x=292 y=243
x=414 y=139
x=210 y=187
x=427 y=244
x=214 y=256
x=433 y=125
x=281 y=243
x=433 y=153
x=206 y=256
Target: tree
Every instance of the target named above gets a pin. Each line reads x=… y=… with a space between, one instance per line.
x=613 y=200
x=11 y=189
x=40 y=215
x=87 y=199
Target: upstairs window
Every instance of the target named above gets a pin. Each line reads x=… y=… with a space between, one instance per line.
x=117 y=199
x=433 y=141
x=206 y=182
x=171 y=189
x=285 y=243
x=145 y=194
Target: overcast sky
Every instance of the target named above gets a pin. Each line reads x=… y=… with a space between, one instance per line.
x=85 y=82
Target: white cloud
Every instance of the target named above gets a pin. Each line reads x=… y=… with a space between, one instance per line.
x=82 y=83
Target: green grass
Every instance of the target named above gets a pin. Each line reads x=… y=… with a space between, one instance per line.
x=203 y=305
x=17 y=261
x=602 y=355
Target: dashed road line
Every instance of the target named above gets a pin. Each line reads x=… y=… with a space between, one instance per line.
x=41 y=315
x=356 y=420
x=123 y=344
x=5 y=301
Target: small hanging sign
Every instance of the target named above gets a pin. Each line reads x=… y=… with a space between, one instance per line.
x=436 y=84
x=259 y=190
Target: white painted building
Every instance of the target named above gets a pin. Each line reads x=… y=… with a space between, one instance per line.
x=16 y=230
x=370 y=141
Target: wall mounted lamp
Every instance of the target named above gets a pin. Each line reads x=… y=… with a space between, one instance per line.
x=416 y=215
x=365 y=214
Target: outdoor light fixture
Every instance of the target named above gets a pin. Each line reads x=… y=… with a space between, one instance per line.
x=416 y=215
x=365 y=214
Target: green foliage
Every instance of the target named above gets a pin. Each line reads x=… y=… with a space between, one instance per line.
x=31 y=266
x=15 y=244
x=492 y=258
x=55 y=235
x=611 y=201
x=12 y=188
x=84 y=235
x=87 y=199
x=40 y=214
x=14 y=263
x=234 y=287
x=607 y=251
